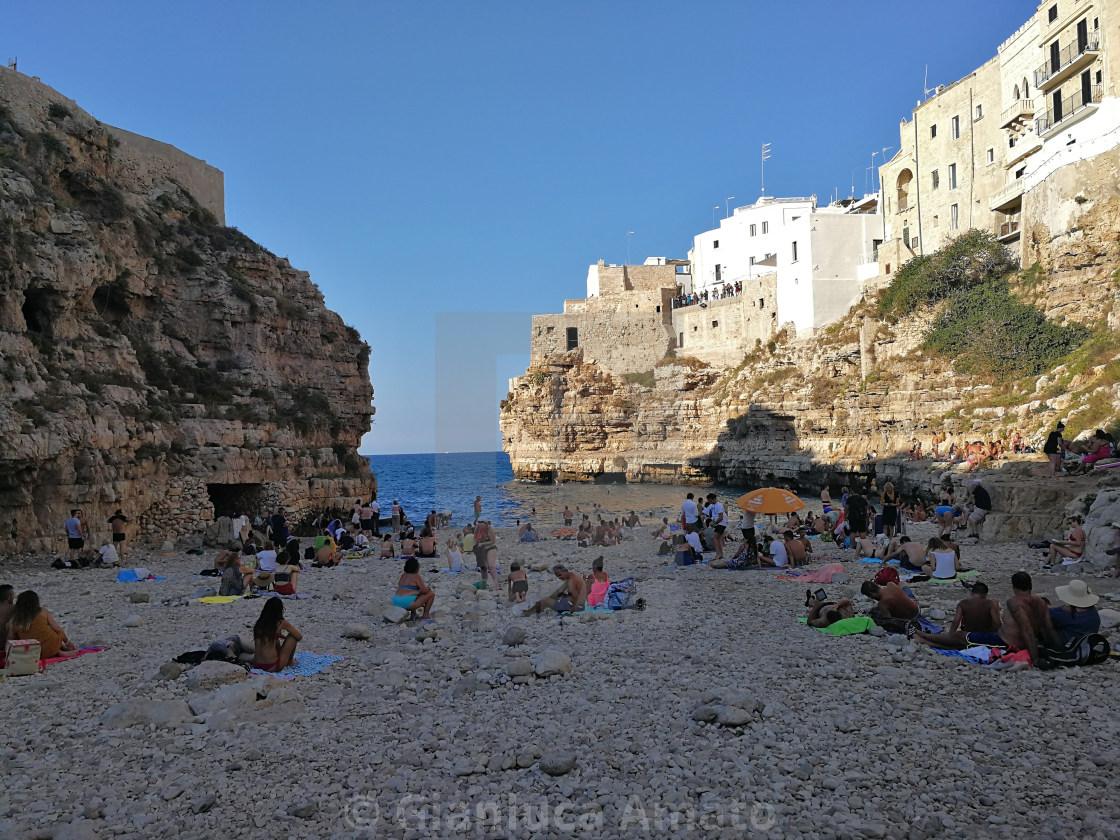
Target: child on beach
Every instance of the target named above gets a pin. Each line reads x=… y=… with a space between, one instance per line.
x=518 y=584
x=454 y=557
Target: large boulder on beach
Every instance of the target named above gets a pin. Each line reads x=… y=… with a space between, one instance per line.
x=213 y=673
x=394 y=615
x=551 y=662
x=162 y=714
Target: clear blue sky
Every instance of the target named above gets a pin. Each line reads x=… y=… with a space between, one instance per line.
x=470 y=158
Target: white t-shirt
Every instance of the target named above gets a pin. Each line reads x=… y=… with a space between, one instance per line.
x=717 y=513
x=375 y=507
x=266 y=561
x=109 y=555
x=778 y=552
x=455 y=558
x=746 y=521
x=688 y=508
x=693 y=539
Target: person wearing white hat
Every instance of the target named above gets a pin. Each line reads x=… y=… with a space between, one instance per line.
x=1079 y=615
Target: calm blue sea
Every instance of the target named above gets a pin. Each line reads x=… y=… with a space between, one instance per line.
x=450 y=481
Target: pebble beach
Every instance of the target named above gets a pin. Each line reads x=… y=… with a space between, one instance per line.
x=486 y=723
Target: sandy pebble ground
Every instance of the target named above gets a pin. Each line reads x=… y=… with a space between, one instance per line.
x=421 y=732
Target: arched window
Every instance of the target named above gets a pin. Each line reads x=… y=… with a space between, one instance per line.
x=1026 y=89
x=1017 y=97
x=903 y=184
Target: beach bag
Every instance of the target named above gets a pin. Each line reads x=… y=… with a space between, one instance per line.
x=22 y=657
x=621 y=594
x=886 y=575
x=1089 y=649
x=232 y=582
x=685 y=558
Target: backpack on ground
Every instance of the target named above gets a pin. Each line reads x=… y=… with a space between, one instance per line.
x=232 y=582
x=621 y=595
x=1088 y=649
x=22 y=657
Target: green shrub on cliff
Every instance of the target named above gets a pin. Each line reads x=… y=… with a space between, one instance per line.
x=967 y=261
x=990 y=333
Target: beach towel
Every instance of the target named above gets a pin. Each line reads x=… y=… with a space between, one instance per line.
x=563 y=533
x=299 y=596
x=978 y=654
x=221 y=599
x=306 y=665
x=822 y=575
x=134 y=575
x=971 y=573
x=81 y=652
x=846 y=626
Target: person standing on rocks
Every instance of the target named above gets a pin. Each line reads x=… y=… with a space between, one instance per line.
x=117 y=522
x=567 y=516
x=396 y=513
x=855 y=514
x=77 y=532
x=477 y=507
x=279 y=526
x=1054 y=447
x=715 y=511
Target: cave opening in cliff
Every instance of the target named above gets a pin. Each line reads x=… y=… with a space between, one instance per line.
x=39 y=310
x=229 y=499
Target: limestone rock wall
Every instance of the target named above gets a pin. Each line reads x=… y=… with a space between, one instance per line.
x=151 y=358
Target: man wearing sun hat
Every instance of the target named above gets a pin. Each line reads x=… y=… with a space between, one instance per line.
x=1079 y=615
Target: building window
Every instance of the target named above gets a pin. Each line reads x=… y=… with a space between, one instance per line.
x=752 y=261
x=1052 y=15
x=795 y=252
x=956 y=128
x=906 y=236
x=991 y=155
x=719 y=272
x=935 y=178
x=1099 y=77
x=715 y=323
x=954 y=217
x=694 y=329
x=979 y=111
x=932 y=131
x=680 y=341
x=573 y=338
x=761 y=303
x=659 y=309
x=952 y=176
x=754 y=230
x=765 y=227
x=715 y=243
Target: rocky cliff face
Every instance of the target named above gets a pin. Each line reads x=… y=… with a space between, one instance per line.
x=151 y=358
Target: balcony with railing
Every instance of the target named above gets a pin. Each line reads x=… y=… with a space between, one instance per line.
x=1066 y=62
x=1080 y=103
x=1018 y=114
x=1006 y=196
x=1008 y=230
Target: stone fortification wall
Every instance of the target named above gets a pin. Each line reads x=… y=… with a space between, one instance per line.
x=725 y=331
x=150 y=162
x=658 y=300
x=145 y=163
x=621 y=342
x=614 y=279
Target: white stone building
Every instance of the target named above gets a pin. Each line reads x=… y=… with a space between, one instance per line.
x=821 y=255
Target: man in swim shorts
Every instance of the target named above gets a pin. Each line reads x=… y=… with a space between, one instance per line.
x=976 y=622
x=568 y=597
x=827 y=613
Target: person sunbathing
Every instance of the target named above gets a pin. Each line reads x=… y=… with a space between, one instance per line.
x=827 y=613
x=387 y=549
x=427 y=546
x=274 y=639
x=285 y=578
x=517 y=583
x=411 y=593
x=795 y=549
x=329 y=555
x=942 y=562
x=408 y=547
x=1071 y=549
x=569 y=597
x=975 y=622
x=893 y=602
x=598 y=582
x=30 y=621
x=662 y=530
x=1027 y=620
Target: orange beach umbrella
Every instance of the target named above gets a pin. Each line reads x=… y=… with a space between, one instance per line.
x=770 y=500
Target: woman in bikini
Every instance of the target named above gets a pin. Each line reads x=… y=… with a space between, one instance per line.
x=274 y=639
x=1070 y=549
x=598 y=582
x=486 y=550
x=412 y=594
x=387 y=549
x=286 y=577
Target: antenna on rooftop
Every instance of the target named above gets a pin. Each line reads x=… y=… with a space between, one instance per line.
x=926 y=89
x=12 y=63
x=765 y=157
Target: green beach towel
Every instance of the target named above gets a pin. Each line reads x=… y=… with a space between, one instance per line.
x=846 y=626
x=971 y=573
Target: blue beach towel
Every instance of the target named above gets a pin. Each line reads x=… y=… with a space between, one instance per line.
x=307 y=664
x=131 y=576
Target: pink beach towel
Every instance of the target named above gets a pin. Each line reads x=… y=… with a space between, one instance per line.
x=822 y=575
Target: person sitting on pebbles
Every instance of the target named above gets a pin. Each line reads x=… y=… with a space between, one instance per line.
x=893 y=602
x=408 y=546
x=942 y=562
x=1079 y=615
x=976 y=622
x=285 y=577
x=827 y=613
x=518 y=584
x=569 y=597
x=427 y=547
x=388 y=550
x=1070 y=549
x=274 y=639
x=412 y=594
x=30 y=621
x=598 y=582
